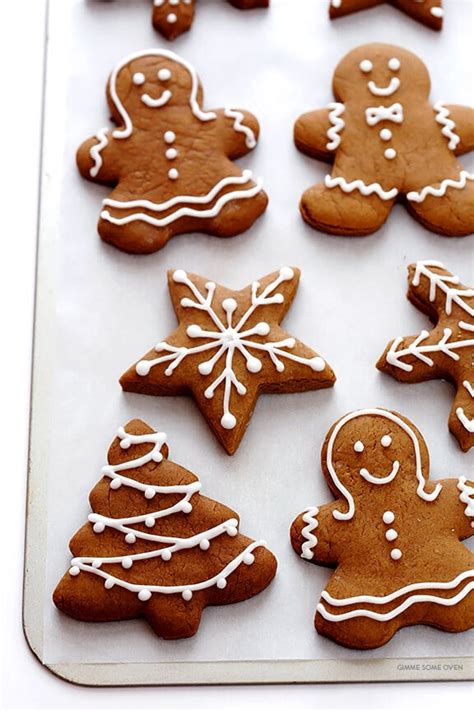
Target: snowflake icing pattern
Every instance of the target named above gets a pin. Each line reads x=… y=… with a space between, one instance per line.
x=228 y=338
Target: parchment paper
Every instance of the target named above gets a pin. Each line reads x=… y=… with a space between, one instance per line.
x=111 y=307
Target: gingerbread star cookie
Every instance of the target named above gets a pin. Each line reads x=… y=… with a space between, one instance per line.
x=392 y=534
x=429 y=12
x=154 y=547
x=387 y=142
x=173 y=17
x=227 y=349
x=170 y=163
x=445 y=352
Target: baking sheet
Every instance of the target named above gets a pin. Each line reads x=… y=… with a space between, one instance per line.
x=99 y=309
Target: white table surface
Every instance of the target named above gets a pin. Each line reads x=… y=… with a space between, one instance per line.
x=24 y=683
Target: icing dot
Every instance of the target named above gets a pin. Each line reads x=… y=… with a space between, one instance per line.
x=437 y=11
x=125 y=443
x=336 y=3
x=98 y=527
x=164 y=74
x=385 y=134
x=116 y=483
x=172 y=18
x=194 y=331
x=143 y=367
x=144 y=595
x=317 y=364
x=170 y=137
x=127 y=563
x=390 y=153
x=394 y=64
x=232 y=531
x=366 y=66
x=149 y=493
x=287 y=273
x=228 y=421
x=179 y=276
x=388 y=517
x=187 y=507
x=386 y=441
x=173 y=174
x=248 y=558
x=391 y=534
x=358 y=446
x=109 y=584
x=262 y=328
x=166 y=554
x=205 y=368
x=130 y=538
x=229 y=305
x=138 y=78
x=149 y=521
x=396 y=554
x=96 y=563
x=187 y=595
x=221 y=583
x=74 y=571
x=204 y=544
x=173 y=2
x=171 y=153
x=253 y=365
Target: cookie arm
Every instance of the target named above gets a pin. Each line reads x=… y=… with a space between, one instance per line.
x=458 y=505
x=461 y=418
x=463 y=117
x=414 y=359
x=314 y=535
x=97 y=158
x=317 y=133
x=239 y=131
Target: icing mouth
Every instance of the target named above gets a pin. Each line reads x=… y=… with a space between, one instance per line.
x=388 y=90
x=156 y=103
x=378 y=479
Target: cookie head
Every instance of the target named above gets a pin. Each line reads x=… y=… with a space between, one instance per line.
x=149 y=81
x=381 y=71
x=373 y=447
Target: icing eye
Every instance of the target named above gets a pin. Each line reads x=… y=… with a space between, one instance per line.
x=366 y=66
x=386 y=441
x=358 y=446
x=394 y=64
x=138 y=78
x=164 y=74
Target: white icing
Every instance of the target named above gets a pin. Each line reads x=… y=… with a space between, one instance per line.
x=309 y=517
x=390 y=153
x=440 y=191
x=173 y=174
x=171 y=544
x=138 y=78
x=345 y=516
x=386 y=441
x=171 y=153
x=184 y=211
x=240 y=127
x=385 y=134
x=336 y=109
x=359 y=446
x=336 y=3
x=388 y=90
x=96 y=152
x=437 y=11
x=442 y=282
x=384 y=599
x=374 y=114
x=349 y=187
x=172 y=18
x=448 y=130
x=466 y=497
x=164 y=74
x=128 y=125
x=395 y=554
x=366 y=66
x=156 y=103
x=394 y=64
x=381 y=479
x=230 y=338
x=466 y=422
x=388 y=517
x=169 y=136
x=391 y=534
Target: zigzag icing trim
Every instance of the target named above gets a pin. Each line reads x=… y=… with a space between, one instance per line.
x=460 y=184
x=359 y=185
x=238 y=117
x=466 y=497
x=95 y=152
x=309 y=517
x=336 y=110
x=442 y=117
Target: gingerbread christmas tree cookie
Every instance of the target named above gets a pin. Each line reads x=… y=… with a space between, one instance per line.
x=173 y=17
x=227 y=349
x=169 y=162
x=154 y=547
x=387 y=142
x=445 y=352
x=392 y=534
x=429 y=12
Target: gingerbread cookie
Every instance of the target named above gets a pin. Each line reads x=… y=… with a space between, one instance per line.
x=227 y=349
x=387 y=143
x=447 y=352
x=173 y=17
x=429 y=12
x=393 y=535
x=170 y=163
x=154 y=547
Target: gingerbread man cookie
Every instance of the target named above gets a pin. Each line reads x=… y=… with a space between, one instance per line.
x=227 y=349
x=173 y=17
x=392 y=535
x=447 y=352
x=387 y=143
x=429 y=12
x=170 y=163
x=154 y=547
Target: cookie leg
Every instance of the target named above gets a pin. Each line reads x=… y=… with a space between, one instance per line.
x=171 y=617
x=451 y=215
x=236 y=216
x=352 y=214
x=172 y=19
x=461 y=419
x=135 y=237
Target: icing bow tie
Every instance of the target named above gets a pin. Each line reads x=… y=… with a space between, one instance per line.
x=374 y=114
